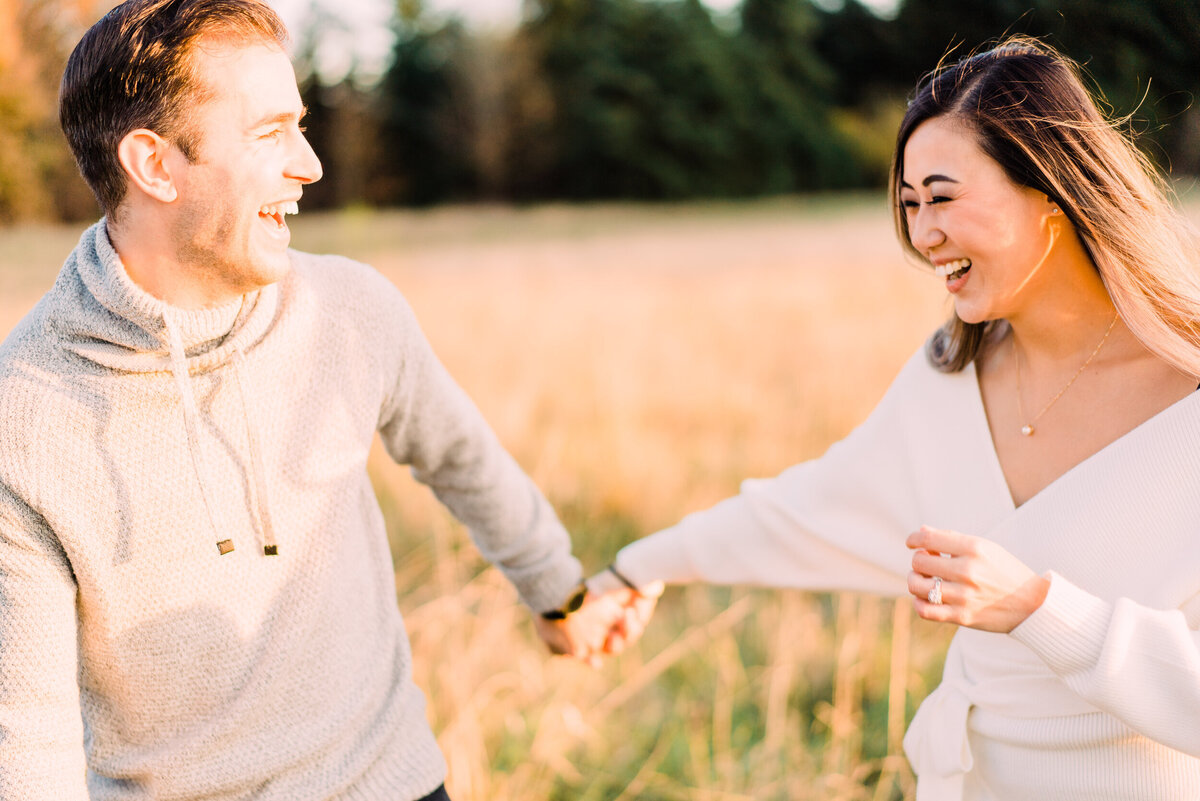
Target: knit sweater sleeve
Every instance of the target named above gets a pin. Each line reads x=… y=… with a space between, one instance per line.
x=835 y=523
x=428 y=422
x=41 y=730
x=1140 y=665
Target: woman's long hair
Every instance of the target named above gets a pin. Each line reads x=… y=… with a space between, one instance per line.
x=1029 y=108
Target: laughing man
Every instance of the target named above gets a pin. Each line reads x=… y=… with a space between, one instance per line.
x=196 y=593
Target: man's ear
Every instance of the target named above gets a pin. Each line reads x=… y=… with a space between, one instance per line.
x=146 y=157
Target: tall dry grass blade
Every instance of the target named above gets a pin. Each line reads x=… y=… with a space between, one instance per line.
x=687 y=644
x=635 y=785
x=782 y=674
x=730 y=675
x=896 y=770
x=898 y=674
x=845 y=718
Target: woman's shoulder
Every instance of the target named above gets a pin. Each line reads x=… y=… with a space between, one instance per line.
x=920 y=377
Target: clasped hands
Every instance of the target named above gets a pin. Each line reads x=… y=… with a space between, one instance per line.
x=612 y=617
x=981 y=584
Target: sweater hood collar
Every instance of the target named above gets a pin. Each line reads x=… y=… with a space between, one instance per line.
x=104 y=317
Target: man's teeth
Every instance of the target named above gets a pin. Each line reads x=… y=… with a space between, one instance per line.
x=952 y=267
x=280 y=209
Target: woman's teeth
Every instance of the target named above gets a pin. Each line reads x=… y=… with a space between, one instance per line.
x=953 y=269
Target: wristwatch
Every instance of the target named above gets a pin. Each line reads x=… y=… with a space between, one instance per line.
x=572 y=604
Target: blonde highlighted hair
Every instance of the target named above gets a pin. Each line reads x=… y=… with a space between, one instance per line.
x=1029 y=108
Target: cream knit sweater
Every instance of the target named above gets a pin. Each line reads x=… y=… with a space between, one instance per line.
x=133 y=438
x=1097 y=694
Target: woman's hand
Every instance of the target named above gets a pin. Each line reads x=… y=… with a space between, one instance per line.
x=982 y=585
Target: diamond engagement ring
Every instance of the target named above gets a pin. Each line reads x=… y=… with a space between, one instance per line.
x=935 y=594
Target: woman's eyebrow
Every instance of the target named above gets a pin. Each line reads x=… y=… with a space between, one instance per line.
x=928 y=180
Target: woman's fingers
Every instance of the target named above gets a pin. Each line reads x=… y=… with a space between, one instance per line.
x=942 y=541
x=970 y=581
x=922 y=587
x=932 y=564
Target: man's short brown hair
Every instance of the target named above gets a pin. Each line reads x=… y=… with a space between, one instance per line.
x=134 y=69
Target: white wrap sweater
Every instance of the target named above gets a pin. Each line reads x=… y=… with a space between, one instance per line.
x=1097 y=694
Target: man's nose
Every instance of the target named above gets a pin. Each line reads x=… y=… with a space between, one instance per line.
x=304 y=165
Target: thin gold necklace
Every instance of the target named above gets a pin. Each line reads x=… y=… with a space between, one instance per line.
x=1027 y=429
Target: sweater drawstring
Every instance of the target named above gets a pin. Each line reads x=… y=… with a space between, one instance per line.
x=270 y=547
x=191 y=419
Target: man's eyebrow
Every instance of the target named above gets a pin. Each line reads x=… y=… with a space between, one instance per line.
x=283 y=116
x=928 y=180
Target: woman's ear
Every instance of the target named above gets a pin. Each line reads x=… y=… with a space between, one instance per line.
x=146 y=158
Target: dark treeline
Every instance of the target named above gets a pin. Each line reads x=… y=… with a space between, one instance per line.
x=659 y=99
x=656 y=99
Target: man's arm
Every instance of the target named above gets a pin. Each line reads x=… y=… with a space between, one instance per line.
x=41 y=732
x=428 y=422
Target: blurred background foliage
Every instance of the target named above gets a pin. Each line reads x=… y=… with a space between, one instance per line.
x=628 y=99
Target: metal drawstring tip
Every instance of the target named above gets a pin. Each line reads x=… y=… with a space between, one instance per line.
x=271 y=550
x=225 y=546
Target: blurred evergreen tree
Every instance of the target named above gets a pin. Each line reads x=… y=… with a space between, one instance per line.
x=653 y=100
x=1146 y=58
x=1144 y=55
x=611 y=70
x=426 y=113
x=630 y=98
x=795 y=145
x=861 y=50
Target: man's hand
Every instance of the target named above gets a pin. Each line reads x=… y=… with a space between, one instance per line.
x=583 y=633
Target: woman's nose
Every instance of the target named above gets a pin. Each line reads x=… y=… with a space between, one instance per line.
x=923 y=231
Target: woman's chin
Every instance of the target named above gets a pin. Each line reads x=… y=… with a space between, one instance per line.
x=971 y=313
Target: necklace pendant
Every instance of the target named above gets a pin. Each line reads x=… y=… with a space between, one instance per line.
x=1027 y=430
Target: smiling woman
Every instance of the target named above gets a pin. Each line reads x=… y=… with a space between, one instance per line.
x=1075 y=668
x=1034 y=120
x=1011 y=231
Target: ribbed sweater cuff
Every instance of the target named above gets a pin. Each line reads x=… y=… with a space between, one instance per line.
x=655 y=558
x=1068 y=630
x=549 y=588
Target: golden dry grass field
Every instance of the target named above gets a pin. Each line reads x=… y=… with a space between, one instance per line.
x=639 y=361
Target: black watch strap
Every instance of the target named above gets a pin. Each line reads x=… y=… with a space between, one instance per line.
x=572 y=604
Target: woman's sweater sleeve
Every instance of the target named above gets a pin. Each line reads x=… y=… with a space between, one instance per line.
x=41 y=730
x=834 y=523
x=1140 y=665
